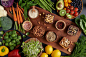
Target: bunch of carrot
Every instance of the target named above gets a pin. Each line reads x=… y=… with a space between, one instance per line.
x=17 y=17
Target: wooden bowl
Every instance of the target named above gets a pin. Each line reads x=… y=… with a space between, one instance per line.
x=24 y=23
x=55 y=38
x=72 y=15
x=35 y=39
x=62 y=22
x=17 y=33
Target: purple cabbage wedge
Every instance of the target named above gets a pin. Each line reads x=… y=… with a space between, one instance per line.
x=7 y=3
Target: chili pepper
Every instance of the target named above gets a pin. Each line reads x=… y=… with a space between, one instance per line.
x=14 y=53
x=3 y=50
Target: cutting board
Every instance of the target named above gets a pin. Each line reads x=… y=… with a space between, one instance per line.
x=51 y=27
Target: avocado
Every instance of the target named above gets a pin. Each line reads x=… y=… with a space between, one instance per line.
x=60 y=5
x=69 y=15
x=62 y=12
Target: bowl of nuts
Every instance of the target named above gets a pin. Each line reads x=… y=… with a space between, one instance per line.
x=65 y=43
x=49 y=18
x=38 y=31
x=72 y=30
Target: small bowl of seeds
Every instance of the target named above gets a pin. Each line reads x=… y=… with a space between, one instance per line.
x=49 y=18
x=65 y=43
x=51 y=36
x=72 y=30
x=60 y=25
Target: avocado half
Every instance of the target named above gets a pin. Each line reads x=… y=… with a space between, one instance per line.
x=60 y=5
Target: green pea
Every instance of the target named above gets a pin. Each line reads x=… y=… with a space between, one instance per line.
x=10 y=33
x=14 y=31
x=13 y=35
x=10 y=44
x=0 y=43
x=14 y=45
x=8 y=40
x=17 y=40
x=11 y=48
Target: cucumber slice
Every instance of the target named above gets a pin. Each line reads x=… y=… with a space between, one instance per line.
x=69 y=15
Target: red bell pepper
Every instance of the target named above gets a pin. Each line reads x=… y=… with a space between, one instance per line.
x=14 y=53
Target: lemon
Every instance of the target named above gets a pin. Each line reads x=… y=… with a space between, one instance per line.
x=48 y=49
x=44 y=55
x=56 y=53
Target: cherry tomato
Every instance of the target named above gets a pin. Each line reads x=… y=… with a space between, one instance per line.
x=71 y=8
x=67 y=10
x=71 y=12
x=76 y=9
x=76 y=13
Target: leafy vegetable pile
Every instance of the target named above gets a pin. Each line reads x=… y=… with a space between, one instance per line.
x=6 y=23
x=81 y=22
x=80 y=48
x=31 y=48
x=45 y=4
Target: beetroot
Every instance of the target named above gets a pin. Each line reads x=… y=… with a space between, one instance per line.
x=7 y=3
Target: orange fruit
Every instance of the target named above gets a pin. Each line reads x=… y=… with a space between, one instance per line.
x=65 y=0
x=69 y=1
x=64 y=8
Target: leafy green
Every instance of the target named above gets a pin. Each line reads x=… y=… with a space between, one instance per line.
x=20 y=2
x=81 y=22
x=6 y=23
x=23 y=4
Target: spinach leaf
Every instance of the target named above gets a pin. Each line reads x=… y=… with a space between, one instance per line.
x=20 y=2
x=77 y=21
x=6 y=23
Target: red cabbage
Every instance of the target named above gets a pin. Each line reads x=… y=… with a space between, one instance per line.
x=7 y=3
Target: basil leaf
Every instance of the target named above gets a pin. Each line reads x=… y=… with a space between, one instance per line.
x=23 y=4
x=83 y=17
x=20 y=2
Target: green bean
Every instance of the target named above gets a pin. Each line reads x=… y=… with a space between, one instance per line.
x=50 y=1
x=41 y=5
x=48 y=4
x=47 y=7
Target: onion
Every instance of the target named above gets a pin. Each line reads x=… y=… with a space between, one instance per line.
x=7 y=3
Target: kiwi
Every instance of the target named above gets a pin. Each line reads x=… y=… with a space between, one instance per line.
x=69 y=15
x=62 y=12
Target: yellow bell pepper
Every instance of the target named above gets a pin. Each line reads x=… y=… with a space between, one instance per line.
x=3 y=50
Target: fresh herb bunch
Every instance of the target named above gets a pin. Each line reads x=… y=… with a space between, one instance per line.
x=81 y=22
x=80 y=48
x=45 y=4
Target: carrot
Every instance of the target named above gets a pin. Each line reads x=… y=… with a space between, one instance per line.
x=20 y=16
x=14 y=14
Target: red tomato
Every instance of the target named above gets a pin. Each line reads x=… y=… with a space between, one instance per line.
x=71 y=12
x=76 y=9
x=71 y=8
x=67 y=10
x=76 y=13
